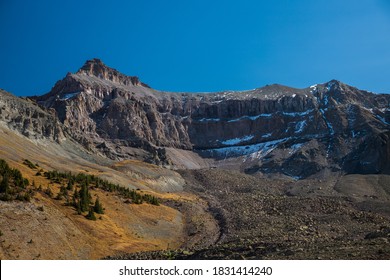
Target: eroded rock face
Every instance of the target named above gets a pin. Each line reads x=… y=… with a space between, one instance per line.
x=96 y=68
x=103 y=108
x=297 y=132
x=30 y=120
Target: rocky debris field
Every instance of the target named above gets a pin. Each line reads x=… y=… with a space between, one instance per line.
x=262 y=219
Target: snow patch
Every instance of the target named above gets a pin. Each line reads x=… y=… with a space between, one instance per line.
x=297 y=146
x=300 y=126
x=266 y=135
x=328 y=124
x=295 y=114
x=382 y=119
x=254 y=151
x=236 y=141
x=259 y=116
x=69 y=95
x=330 y=85
x=369 y=110
x=251 y=117
x=326 y=100
x=209 y=120
x=313 y=88
x=294 y=148
x=264 y=149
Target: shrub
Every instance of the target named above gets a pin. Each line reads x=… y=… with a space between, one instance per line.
x=6 y=197
x=27 y=197
x=49 y=192
x=29 y=164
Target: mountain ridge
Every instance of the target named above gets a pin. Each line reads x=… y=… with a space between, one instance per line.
x=274 y=172
x=120 y=117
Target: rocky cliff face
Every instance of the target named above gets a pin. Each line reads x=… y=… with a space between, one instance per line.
x=274 y=129
x=29 y=119
x=297 y=132
x=103 y=108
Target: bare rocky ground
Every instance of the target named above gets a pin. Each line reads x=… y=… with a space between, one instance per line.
x=344 y=217
x=215 y=214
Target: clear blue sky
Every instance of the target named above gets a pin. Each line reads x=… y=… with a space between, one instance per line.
x=198 y=45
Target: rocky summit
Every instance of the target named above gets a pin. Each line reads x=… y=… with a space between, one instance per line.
x=272 y=130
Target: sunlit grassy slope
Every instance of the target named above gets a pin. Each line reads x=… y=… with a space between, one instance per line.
x=47 y=229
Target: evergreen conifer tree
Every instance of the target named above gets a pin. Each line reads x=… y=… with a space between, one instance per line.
x=78 y=207
x=85 y=198
x=91 y=214
x=4 y=185
x=69 y=187
x=98 y=208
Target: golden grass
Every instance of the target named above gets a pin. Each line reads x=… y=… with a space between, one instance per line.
x=59 y=233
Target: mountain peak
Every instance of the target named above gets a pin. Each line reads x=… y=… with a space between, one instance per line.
x=91 y=62
x=96 y=68
x=334 y=82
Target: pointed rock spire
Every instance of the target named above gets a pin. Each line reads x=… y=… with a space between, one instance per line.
x=95 y=67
